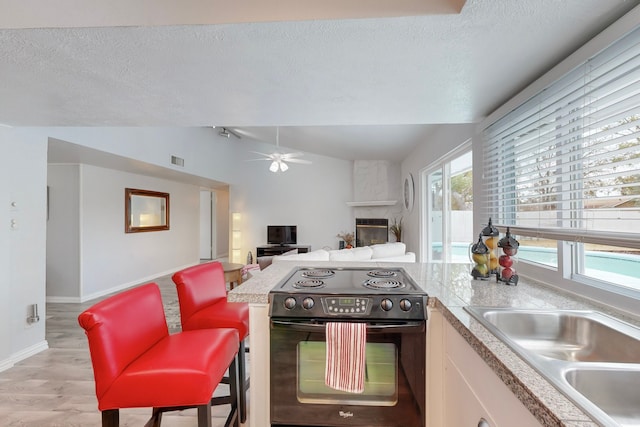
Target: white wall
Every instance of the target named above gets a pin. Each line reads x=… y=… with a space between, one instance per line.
x=222 y=224
x=113 y=259
x=207 y=224
x=90 y=255
x=377 y=180
x=443 y=140
x=313 y=197
x=205 y=153
x=63 y=232
x=23 y=181
x=6 y=212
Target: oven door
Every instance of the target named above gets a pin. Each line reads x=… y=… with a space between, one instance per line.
x=394 y=392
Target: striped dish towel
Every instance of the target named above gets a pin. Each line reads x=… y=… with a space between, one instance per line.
x=345 y=363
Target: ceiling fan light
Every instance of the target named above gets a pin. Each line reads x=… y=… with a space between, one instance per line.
x=283 y=166
x=274 y=166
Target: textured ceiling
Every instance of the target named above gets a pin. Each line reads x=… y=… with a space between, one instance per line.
x=344 y=82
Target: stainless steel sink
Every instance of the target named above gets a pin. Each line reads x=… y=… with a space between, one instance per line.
x=594 y=359
x=582 y=336
x=614 y=391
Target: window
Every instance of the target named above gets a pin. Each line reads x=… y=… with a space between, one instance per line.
x=563 y=169
x=450 y=208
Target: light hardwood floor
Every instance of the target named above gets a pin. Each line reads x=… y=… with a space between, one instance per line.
x=55 y=388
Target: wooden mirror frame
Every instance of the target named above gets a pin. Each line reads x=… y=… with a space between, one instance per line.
x=145 y=210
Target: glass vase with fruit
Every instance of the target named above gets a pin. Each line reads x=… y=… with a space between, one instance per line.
x=490 y=235
x=479 y=254
x=509 y=246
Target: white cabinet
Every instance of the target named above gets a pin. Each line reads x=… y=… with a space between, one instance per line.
x=434 y=369
x=462 y=406
x=259 y=365
x=463 y=390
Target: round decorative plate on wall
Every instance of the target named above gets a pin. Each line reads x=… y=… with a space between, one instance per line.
x=408 y=192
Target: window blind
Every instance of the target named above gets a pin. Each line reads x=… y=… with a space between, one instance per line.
x=565 y=164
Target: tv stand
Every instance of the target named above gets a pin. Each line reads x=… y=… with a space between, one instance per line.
x=270 y=250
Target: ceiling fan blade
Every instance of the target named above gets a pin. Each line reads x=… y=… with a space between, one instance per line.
x=262 y=154
x=306 y=162
x=256 y=160
x=280 y=159
x=292 y=155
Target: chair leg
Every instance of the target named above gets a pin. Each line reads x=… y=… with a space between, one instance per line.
x=242 y=384
x=156 y=418
x=204 y=415
x=233 y=393
x=111 y=418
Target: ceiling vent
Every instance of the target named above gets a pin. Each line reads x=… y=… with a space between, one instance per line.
x=178 y=161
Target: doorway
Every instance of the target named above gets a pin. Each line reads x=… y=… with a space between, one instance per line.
x=207 y=225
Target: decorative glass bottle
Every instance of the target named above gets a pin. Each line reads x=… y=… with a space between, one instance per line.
x=490 y=236
x=479 y=253
x=509 y=246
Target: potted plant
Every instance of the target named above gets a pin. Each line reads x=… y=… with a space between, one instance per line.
x=396 y=229
x=348 y=239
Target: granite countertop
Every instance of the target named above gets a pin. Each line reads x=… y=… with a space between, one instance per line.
x=450 y=288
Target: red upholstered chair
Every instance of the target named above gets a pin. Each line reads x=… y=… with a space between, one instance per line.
x=202 y=294
x=136 y=363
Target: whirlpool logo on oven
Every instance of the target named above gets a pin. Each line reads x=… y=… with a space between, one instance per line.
x=345 y=415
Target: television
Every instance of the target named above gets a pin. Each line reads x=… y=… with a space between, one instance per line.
x=282 y=235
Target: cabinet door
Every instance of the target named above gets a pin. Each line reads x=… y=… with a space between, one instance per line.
x=476 y=387
x=463 y=407
x=259 y=398
x=435 y=368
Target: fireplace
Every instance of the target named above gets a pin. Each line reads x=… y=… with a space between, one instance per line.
x=371 y=231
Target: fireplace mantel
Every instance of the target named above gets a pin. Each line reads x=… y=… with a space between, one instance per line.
x=373 y=203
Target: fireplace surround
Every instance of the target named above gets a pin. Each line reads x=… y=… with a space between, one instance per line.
x=371 y=231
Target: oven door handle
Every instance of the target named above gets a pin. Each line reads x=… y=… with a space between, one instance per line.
x=374 y=327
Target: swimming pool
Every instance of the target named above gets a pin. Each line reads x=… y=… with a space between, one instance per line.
x=618 y=268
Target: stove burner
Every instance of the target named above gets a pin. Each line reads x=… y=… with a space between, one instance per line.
x=383 y=284
x=382 y=273
x=318 y=273
x=309 y=284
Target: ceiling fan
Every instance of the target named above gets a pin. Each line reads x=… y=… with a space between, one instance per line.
x=279 y=160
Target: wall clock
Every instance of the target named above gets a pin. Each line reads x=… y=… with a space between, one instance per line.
x=408 y=192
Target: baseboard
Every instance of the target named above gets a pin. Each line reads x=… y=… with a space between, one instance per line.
x=114 y=289
x=128 y=285
x=23 y=354
x=58 y=300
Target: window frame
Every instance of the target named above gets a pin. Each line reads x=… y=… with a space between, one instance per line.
x=442 y=164
x=563 y=276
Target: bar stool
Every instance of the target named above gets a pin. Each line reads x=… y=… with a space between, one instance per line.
x=136 y=363
x=202 y=294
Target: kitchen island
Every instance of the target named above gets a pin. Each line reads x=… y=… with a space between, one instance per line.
x=450 y=288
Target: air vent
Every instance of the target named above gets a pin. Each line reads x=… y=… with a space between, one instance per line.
x=178 y=161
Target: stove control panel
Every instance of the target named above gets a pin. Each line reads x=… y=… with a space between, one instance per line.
x=346 y=306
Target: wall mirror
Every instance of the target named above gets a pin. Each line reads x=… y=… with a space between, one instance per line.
x=145 y=210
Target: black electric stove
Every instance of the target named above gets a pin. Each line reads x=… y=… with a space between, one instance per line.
x=348 y=293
